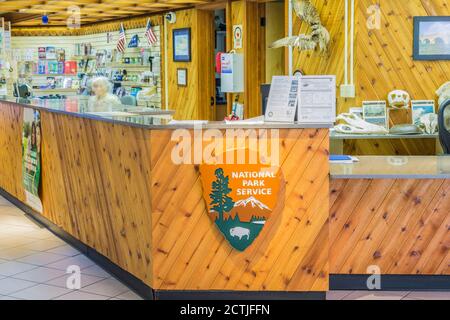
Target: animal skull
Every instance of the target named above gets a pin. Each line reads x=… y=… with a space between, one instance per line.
x=399 y=99
x=429 y=123
x=356 y=125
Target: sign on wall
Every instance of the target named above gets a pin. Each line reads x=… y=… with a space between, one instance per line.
x=31 y=157
x=240 y=199
x=237 y=36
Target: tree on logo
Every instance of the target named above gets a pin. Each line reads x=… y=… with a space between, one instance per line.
x=221 y=202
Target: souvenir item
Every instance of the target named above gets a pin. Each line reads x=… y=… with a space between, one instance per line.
x=429 y=123
x=443 y=93
x=405 y=129
x=134 y=42
x=355 y=125
x=319 y=36
x=399 y=99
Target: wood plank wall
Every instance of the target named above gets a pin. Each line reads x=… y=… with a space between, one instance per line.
x=249 y=14
x=193 y=101
x=398 y=225
x=289 y=255
x=383 y=62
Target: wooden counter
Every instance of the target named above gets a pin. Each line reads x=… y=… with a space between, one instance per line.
x=392 y=213
x=115 y=188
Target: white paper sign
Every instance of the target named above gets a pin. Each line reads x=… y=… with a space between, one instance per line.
x=317 y=99
x=282 y=102
x=237 y=36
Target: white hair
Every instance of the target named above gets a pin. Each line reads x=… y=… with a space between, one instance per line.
x=102 y=81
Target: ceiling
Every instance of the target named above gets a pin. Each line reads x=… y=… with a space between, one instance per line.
x=29 y=12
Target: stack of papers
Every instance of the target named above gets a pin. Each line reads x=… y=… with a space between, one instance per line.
x=343 y=159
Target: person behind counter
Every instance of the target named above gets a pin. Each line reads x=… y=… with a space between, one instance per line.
x=103 y=99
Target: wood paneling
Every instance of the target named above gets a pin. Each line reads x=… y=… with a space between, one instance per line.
x=89 y=11
x=383 y=59
x=289 y=255
x=116 y=189
x=193 y=101
x=248 y=14
x=11 y=150
x=401 y=226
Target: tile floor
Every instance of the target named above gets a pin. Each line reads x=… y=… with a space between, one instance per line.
x=387 y=295
x=33 y=264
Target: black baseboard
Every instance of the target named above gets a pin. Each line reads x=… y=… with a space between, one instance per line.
x=391 y=282
x=122 y=275
x=237 y=295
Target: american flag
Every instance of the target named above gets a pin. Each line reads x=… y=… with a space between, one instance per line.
x=121 y=42
x=149 y=34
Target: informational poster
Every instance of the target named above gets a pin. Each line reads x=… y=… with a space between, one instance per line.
x=31 y=157
x=317 y=99
x=282 y=102
x=237 y=36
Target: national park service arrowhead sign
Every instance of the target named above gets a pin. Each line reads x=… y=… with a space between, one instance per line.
x=240 y=199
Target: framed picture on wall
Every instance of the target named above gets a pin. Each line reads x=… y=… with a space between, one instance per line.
x=432 y=38
x=182 y=45
x=182 y=77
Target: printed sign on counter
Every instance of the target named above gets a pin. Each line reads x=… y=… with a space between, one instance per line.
x=317 y=99
x=282 y=102
x=31 y=157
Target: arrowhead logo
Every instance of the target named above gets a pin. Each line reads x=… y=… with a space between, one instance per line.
x=240 y=199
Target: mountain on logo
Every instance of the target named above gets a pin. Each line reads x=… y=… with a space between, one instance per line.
x=251 y=201
x=250 y=209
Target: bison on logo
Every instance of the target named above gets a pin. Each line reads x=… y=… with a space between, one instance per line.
x=240 y=199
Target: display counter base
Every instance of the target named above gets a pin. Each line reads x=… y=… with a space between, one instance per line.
x=391 y=282
x=237 y=295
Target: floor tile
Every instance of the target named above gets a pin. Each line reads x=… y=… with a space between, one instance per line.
x=4 y=202
x=41 y=258
x=13 y=267
x=40 y=292
x=41 y=274
x=42 y=234
x=10 y=285
x=66 y=250
x=13 y=242
x=96 y=271
x=108 y=287
x=429 y=295
x=86 y=280
x=129 y=295
x=79 y=260
x=15 y=253
x=80 y=295
x=44 y=245
x=8 y=298
x=376 y=295
x=338 y=294
x=16 y=220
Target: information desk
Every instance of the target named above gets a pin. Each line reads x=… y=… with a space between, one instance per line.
x=391 y=215
x=111 y=187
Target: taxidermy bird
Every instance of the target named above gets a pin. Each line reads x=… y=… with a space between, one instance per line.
x=319 y=35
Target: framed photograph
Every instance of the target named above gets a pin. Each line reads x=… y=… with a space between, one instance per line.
x=182 y=45
x=182 y=77
x=375 y=112
x=419 y=108
x=432 y=38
